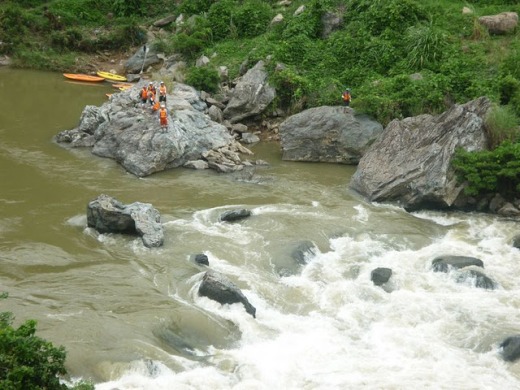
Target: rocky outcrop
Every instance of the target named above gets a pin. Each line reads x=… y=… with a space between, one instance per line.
x=410 y=162
x=503 y=23
x=219 y=288
x=144 y=57
x=327 y=134
x=124 y=130
x=476 y=279
x=251 y=95
x=304 y=251
x=108 y=215
x=201 y=259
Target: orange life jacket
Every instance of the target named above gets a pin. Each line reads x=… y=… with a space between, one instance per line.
x=163 y=113
x=162 y=90
x=144 y=94
x=346 y=96
x=156 y=106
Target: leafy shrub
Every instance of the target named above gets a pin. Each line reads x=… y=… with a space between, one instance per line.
x=291 y=89
x=509 y=87
x=28 y=361
x=127 y=7
x=194 y=7
x=14 y=26
x=251 y=18
x=188 y=45
x=490 y=171
x=204 y=78
x=220 y=18
x=380 y=15
x=69 y=39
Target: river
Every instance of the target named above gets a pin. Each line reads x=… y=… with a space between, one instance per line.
x=130 y=317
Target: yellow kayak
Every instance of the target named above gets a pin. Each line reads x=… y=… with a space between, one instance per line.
x=111 y=76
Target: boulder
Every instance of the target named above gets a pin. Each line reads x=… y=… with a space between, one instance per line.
x=410 y=162
x=249 y=138
x=125 y=131
x=516 y=241
x=510 y=348
x=330 y=22
x=476 y=278
x=235 y=215
x=304 y=251
x=503 y=23
x=444 y=263
x=164 y=21
x=219 y=288
x=108 y=215
x=251 y=96
x=327 y=134
x=201 y=259
x=146 y=56
x=380 y=276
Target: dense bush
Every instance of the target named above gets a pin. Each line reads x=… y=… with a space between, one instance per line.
x=28 y=361
x=502 y=125
x=490 y=171
x=203 y=78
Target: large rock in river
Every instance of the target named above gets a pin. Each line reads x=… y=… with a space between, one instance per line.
x=327 y=134
x=251 y=95
x=410 y=162
x=108 y=215
x=125 y=131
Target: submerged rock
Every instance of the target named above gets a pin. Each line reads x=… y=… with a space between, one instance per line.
x=219 y=288
x=478 y=279
x=380 y=276
x=443 y=263
x=235 y=215
x=108 y=215
x=304 y=251
x=510 y=348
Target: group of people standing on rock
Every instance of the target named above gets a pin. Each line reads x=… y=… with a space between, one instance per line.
x=149 y=94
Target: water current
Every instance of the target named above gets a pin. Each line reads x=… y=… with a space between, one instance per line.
x=130 y=317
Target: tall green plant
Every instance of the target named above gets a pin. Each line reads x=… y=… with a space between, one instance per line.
x=502 y=125
x=425 y=46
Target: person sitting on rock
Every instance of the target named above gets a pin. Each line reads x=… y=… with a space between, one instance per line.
x=163 y=116
x=162 y=92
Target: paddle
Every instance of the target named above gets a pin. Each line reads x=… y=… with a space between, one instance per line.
x=145 y=49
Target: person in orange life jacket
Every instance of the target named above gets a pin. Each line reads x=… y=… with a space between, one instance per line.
x=144 y=95
x=151 y=97
x=347 y=97
x=162 y=92
x=156 y=106
x=163 y=116
x=151 y=88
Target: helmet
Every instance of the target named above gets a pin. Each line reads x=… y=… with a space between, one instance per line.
x=162 y=82
x=162 y=106
x=151 y=83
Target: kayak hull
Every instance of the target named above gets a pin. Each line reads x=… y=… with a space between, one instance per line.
x=83 y=77
x=111 y=76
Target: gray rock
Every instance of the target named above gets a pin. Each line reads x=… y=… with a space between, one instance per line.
x=508 y=210
x=330 y=22
x=410 y=162
x=249 y=138
x=123 y=130
x=201 y=259
x=478 y=279
x=108 y=215
x=251 y=96
x=304 y=251
x=196 y=164
x=327 y=134
x=503 y=23
x=516 y=241
x=443 y=263
x=215 y=114
x=164 y=21
x=235 y=215
x=141 y=60
x=380 y=276
x=510 y=348
x=219 y=288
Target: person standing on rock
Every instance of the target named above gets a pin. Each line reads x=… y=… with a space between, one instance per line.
x=151 y=88
x=144 y=96
x=347 y=97
x=162 y=92
x=163 y=116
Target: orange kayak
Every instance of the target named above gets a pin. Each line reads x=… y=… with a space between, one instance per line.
x=82 y=77
x=122 y=85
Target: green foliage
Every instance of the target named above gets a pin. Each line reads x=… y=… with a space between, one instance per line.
x=489 y=171
x=28 y=361
x=509 y=87
x=127 y=7
x=220 y=18
x=291 y=89
x=251 y=18
x=194 y=7
x=425 y=46
x=14 y=22
x=502 y=125
x=204 y=78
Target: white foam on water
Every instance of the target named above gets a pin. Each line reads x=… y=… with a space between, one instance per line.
x=330 y=327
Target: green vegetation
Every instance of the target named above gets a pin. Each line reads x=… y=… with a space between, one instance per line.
x=400 y=57
x=28 y=361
